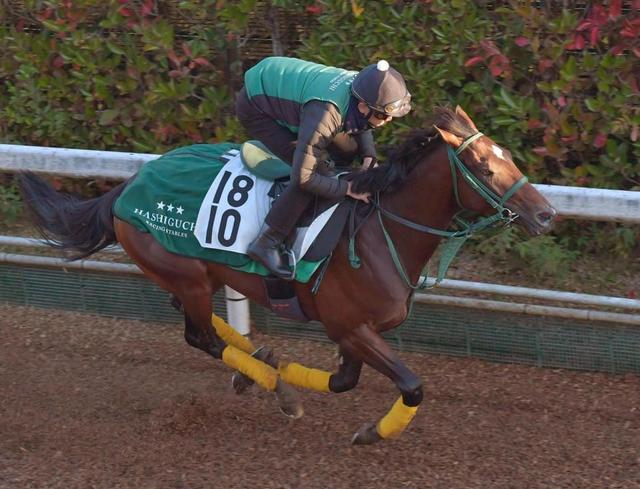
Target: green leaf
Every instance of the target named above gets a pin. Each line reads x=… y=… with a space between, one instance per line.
x=114 y=48
x=108 y=116
x=472 y=87
x=504 y=95
x=592 y=104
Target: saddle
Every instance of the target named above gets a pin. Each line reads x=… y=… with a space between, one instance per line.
x=262 y=163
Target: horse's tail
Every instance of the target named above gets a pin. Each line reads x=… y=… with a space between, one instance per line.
x=77 y=227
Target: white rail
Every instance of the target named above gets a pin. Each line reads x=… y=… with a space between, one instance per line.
x=81 y=163
x=458 y=285
x=570 y=202
x=240 y=314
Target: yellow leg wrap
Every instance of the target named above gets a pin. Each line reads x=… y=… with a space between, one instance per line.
x=230 y=336
x=309 y=378
x=263 y=375
x=396 y=420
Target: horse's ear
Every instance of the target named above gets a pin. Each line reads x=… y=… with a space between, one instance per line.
x=449 y=138
x=464 y=115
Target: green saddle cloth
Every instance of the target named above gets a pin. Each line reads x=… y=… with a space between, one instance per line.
x=164 y=198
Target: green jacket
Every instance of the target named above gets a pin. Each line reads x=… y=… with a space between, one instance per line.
x=280 y=86
x=312 y=101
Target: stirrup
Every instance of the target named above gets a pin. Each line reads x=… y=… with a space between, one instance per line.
x=293 y=260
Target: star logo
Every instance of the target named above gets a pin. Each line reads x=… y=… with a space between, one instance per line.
x=161 y=205
x=170 y=207
x=179 y=210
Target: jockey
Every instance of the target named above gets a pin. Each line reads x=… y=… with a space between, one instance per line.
x=308 y=114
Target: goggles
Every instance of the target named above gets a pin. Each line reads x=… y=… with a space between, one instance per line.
x=394 y=109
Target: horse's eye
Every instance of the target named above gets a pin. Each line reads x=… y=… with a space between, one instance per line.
x=484 y=167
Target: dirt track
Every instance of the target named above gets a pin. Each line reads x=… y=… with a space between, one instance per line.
x=90 y=402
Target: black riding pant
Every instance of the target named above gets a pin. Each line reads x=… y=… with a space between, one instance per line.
x=288 y=208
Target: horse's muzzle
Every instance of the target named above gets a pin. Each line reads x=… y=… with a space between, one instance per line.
x=542 y=221
x=536 y=221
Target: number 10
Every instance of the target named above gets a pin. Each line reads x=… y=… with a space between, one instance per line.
x=237 y=196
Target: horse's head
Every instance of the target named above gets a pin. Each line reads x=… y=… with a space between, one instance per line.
x=487 y=180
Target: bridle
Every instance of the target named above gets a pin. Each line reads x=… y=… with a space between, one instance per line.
x=455 y=239
x=493 y=199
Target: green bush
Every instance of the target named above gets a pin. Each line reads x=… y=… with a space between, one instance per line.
x=10 y=203
x=559 y=88
x=105 y=86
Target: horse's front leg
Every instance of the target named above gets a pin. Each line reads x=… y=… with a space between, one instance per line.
x=367 y=344
x=346 y=378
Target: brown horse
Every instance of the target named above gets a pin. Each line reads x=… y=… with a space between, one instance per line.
x=428 y=180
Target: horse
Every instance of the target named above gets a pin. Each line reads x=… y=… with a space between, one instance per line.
x=428 y=179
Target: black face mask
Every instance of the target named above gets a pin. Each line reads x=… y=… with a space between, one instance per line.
x=355 y=121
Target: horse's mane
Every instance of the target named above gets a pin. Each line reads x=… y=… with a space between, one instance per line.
x=402 y=159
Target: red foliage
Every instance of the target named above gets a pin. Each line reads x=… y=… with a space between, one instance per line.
x=497 y=62
x=164 y=132
x=544 y=64
x=314 y=9
x=147 y=8
x=600 y=140
x=202 y=62
x=631 y=28
x=174 y=58
x=605 y=20
x=534 y=124
x=473 y=61
x=186 y=49
x=136 y=12
x=58 y=62
x=577 y=43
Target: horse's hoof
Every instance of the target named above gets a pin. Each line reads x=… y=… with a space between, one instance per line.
x=366 y=435
x=241 y=382
x=287 y=397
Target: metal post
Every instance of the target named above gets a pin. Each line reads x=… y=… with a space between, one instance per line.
x=237 y=311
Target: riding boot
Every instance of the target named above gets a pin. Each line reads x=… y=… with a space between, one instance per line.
x=281 y=220
x=266 y=250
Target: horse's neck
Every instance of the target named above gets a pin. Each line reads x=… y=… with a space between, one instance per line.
x=427 y=199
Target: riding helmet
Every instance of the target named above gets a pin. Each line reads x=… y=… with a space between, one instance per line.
x=383 y=89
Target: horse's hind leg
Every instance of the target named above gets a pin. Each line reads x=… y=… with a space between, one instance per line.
x=225 y=331
x=189 y=281
x=229 y=335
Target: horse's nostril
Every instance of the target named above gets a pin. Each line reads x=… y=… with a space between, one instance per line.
x=545 y=217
